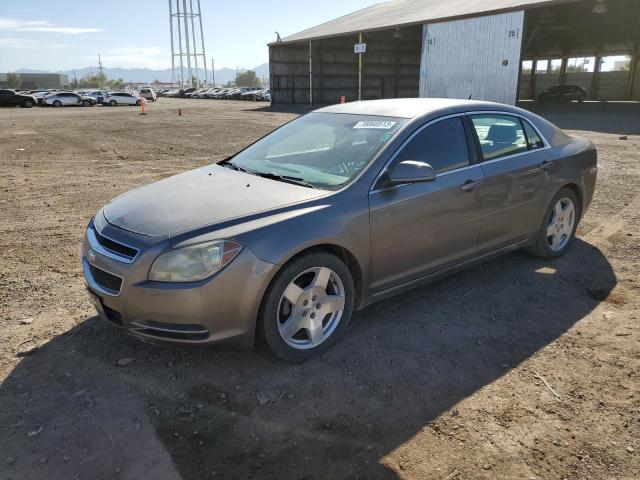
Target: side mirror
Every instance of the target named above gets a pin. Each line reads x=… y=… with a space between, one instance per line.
x=410 y=171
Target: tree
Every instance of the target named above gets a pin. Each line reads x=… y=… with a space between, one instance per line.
x=99 y=80
x=13 y=80
x=114 y=84
x=247 y=79
x=194 y=81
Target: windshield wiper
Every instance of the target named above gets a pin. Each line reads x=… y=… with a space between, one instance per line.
x=284 y=178
x=230 y=164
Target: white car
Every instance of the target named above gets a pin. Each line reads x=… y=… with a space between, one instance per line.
x=121 y=98
x=59 y=99
x=148 y=94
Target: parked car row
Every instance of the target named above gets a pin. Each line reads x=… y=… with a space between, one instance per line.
x=220 y=93
x=80 y=98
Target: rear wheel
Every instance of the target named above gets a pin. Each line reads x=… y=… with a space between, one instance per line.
x=307 y=307
x=57 y=103
x=559 y=227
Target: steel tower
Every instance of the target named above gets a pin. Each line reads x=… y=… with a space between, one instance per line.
x=182 y=29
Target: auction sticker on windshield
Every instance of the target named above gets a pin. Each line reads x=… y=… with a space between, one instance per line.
x=373 y=124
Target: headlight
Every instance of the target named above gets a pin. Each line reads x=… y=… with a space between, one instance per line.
x=193 y=263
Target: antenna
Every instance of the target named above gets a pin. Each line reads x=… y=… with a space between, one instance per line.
x=182 y=16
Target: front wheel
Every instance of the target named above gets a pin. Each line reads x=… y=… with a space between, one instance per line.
x=113 y=103
x=28 y=104
x=57 y=103
x=559 y=227
x=86 y=103
x=307 y=307
x=138 y=102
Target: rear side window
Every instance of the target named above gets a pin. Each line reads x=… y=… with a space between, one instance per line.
x=533 y=139
x=499 y=135
x=443 y=145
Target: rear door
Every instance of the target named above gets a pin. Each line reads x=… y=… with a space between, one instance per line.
x=421 y=228
x=516 y=178
x=68 y=98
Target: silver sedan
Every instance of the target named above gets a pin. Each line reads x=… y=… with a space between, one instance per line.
x=67 y=99
x=279 y=244
x=114 y=99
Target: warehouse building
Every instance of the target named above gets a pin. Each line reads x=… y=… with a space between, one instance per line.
x=34 y=81
x=499 y=50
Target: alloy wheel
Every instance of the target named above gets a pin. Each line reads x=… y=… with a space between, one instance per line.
x=561 y=223
x=311 y=308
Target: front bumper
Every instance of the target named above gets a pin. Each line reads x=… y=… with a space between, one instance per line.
x=222 y=308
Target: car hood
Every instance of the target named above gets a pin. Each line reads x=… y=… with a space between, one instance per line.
x=198 y=198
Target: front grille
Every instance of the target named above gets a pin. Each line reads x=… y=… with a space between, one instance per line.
x=170 y=331
x=105 y=279
x=115 y=247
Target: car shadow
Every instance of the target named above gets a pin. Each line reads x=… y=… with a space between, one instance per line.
x=195 y=414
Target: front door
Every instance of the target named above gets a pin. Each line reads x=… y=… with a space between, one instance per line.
x=420 y=228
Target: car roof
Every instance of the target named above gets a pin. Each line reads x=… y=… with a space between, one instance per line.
x=411 y=107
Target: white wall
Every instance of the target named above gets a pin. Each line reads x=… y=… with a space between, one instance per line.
x=464 y=58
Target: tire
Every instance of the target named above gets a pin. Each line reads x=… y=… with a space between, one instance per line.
x=277 y=311
x=86 y=103
x=545 y=245
x=138 y=103
x=57 y=103
x=113 y=103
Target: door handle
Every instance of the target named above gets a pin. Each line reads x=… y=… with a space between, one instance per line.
x=546 y=165
x=469 y=185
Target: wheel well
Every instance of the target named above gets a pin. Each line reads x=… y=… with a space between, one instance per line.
x=576 y=189
x=347 y=257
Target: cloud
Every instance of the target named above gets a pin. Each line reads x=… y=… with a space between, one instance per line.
x=14 y=25
x=135 y=57
x=27 y=44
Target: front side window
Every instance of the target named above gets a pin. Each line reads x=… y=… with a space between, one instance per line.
x=499 y=135
x=443 y=145
x=325 y=150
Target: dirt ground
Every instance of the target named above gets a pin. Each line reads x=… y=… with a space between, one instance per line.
x=516 y=369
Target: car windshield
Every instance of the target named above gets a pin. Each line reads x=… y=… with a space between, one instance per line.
x=325 y=150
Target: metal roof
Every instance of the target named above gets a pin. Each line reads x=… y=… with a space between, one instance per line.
x=410 y=12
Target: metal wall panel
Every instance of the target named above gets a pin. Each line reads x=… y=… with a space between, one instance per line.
x=476 y=58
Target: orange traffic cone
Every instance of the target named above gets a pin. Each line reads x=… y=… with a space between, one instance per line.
x=142 y=107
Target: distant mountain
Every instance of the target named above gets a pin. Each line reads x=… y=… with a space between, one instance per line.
x=139 y=75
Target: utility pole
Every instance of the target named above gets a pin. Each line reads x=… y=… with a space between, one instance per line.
x=100 y=63
x=213 y=74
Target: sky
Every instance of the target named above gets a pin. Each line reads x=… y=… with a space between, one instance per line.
x=67 y=34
